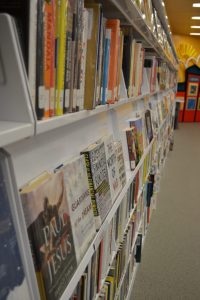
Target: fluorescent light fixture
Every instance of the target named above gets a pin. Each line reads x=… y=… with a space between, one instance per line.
x=196 y=4
x=196 y=18
x=197 y=27
x=194 y=33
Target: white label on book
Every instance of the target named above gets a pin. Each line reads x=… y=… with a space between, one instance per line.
x=132 y=165
x=42 y=99
x=90 y=23
x=67 y=98
x=108 y=94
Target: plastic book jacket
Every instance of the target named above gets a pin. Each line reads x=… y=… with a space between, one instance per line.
x=80 y=204
x=13 y=283
x=50 y=234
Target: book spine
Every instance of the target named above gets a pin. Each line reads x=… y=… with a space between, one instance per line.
x=72 y=97
x=61 y=14
x=106 y=66
x=68 y=57
x=48 y=48
x=53 y=70
x=112 y=81
x=80 y=91
x=129 y=137
x=32 y=50
x=119 y=73
x=40 y=97
x=91 y=188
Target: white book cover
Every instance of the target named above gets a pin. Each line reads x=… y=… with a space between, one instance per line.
x=113 y=170
x=120 y=162
x=80 y=205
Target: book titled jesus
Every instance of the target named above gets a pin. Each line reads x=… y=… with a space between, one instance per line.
x=50 y=234
x=96 y=165
x=80 y=205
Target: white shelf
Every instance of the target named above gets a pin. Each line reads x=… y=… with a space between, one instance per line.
x=56 y=122
x=11 y=132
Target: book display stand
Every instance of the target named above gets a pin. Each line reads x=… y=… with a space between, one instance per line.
x=30 y=147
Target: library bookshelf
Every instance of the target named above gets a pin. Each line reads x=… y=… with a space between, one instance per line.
x=33 y=146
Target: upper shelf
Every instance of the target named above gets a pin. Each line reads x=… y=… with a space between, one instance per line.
x=128 y=10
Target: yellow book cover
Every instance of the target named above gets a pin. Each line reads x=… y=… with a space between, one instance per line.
x=112 y=285
x=61 y=25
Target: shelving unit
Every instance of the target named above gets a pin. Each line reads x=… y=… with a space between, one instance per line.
x=35 y=146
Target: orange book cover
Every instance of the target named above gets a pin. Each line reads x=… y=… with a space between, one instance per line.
x=114 y=25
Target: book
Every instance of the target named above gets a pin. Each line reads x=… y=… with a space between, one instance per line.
x=95 y=160
x=106 y=61
x=50 y=234
x=120 y=162
x=13 y=283
x=137 y=123
x=114 y=25
x=94 y=14
x=40 y=90
x=79 y=203
x=148 y=123
x=49 y=56
x=112 y=166
x=130 y=151
x=61 y=12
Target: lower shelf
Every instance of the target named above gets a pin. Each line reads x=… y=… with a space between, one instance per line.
x=11 y=132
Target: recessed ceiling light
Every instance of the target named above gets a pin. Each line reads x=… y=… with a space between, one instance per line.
x=195 y=27
x=196 y=18
x=196 y=4
x=194 y=33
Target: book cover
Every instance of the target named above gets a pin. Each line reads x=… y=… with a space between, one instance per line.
x=50 y=234
x=137 y=123
x=106 y=60
x=95 y=159
x=94 y=11
x=113 y=170
x=80 y=205
x=148 y=123
x=120 y=162
x=49 y=48
x=127 y=56
x=13 y=284
x=61 y=27
x=40 y=91
x=130 y=148
x=114 y=25
x=69 y=63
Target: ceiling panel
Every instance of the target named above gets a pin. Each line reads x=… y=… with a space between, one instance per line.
x=179 y=13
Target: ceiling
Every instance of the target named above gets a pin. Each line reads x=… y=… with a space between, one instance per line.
x=179 y=16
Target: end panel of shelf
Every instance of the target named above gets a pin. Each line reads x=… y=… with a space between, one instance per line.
x=11 y=132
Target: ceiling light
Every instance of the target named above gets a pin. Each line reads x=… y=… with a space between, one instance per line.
x=195 y=27
x=163 y=4
x=166 y=17
x=168 y=26
x=196 y=18
x=196 y=4
x=194 y=33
